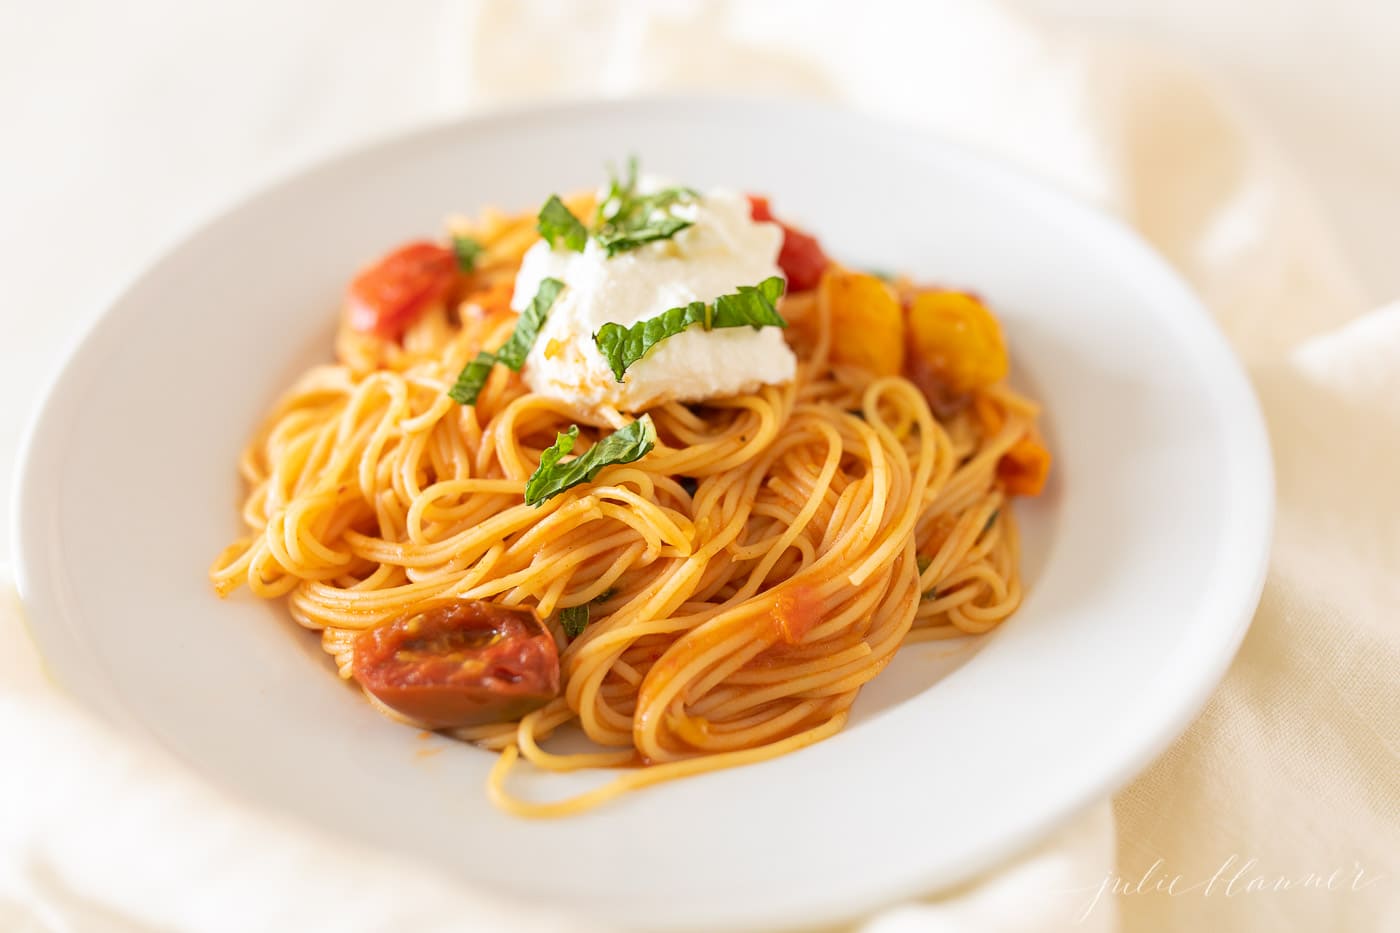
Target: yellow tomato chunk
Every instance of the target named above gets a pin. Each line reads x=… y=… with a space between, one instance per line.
x=957 y=339
x=867 y=326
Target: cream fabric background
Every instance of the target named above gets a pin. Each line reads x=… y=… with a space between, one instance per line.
x=126 y=122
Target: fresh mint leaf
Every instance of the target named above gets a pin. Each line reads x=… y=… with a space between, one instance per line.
x=573 y=620
x=626 y=220
x=924 y=562
x=512 y=354
x=753 y=305
x=624 y=445
x=556 y=222
x=628 y=238
x=471 y=379
x=467 y=250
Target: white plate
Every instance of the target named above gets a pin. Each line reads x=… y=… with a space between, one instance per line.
x=1144 y=561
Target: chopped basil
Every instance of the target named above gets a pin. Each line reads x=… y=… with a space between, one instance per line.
x=556 y=222
x=466 y=249
x=573 y=619
x=626 y=219
x=924 y=562
x=472 y=377
x=626 y=238
x=991 y=520
x=625 y=445
x=528 y=327
x=753 y=306
x=512 y=354
x=606 y=595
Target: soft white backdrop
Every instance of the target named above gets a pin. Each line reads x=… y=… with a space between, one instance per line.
x=1273 y=189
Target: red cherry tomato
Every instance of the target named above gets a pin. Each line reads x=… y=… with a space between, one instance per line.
x=386 y=297
x=459 y=662
x=801 y=258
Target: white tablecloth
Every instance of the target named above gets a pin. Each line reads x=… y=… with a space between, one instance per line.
x=124 y=123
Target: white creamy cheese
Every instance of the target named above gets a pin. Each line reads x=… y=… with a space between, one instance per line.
x=723 y=250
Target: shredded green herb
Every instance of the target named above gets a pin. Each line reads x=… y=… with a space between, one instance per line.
x=626 y=219
x=512 y=354
x=471 y=379
x=557 y=223
x=924 y=562
x=467 y=250
x=573 y=620
x=625 y=445
x=752 y=306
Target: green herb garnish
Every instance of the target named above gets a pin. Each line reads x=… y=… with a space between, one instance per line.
x=628 y=238
x=924 y=562
x=624 y=445
x=626 y=220
x=556 y=222
x=528 y=327
x=512 y=354
x=753 y=306
x=471 y=379
x=991 y=520
x=573 y=619
x=466 y=249
x=606 y=595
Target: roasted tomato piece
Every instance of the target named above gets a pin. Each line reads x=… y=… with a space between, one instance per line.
x=386 y=297
x=955 y=342
x=1024 y=468
x=459 y=662
x=867 y=324
x=797 y=610
x=801 y=258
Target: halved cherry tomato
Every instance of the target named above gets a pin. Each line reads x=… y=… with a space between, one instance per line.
x=459 y=662
x=801 y=258
x=386 y=297
x=867 y=324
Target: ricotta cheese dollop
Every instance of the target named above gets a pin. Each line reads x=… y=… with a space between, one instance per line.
x=725 y=248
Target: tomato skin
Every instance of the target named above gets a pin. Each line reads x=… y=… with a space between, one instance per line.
x=801 y=258
x=797 y=610
x=458 y=662
x=386 y=297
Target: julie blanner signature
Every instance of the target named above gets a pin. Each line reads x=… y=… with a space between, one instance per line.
x=1235 y=877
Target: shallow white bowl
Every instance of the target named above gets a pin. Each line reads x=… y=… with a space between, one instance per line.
x=1144 y=560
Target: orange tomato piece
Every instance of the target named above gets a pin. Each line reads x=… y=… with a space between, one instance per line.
x=956 y=340
x=1023 y=469
x=867 y=325
x=796 y=611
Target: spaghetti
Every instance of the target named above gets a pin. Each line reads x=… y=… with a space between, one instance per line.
x=743 y=579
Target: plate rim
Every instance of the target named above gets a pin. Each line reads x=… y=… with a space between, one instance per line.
x=1251 y=507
